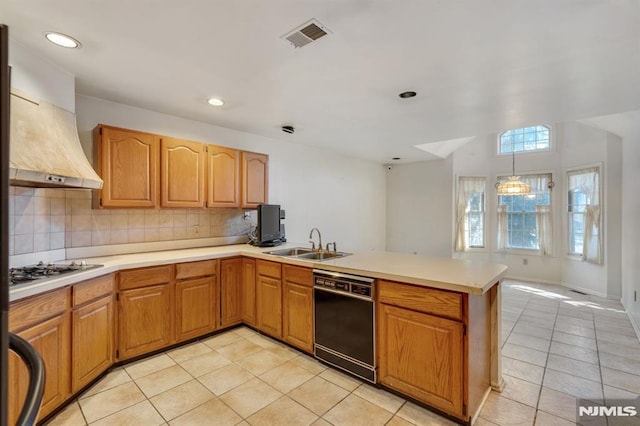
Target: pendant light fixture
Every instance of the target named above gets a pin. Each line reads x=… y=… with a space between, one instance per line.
x=513 y=186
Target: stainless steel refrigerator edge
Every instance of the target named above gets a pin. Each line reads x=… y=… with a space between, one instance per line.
x=4 y=223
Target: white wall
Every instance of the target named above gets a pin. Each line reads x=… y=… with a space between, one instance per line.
x=419 y=207
x=41 y=78
x=630 y=256
x=343 y=197
x=613 y=216
x=584 y=145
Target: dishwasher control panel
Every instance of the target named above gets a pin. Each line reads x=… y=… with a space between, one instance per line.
x=352 y=284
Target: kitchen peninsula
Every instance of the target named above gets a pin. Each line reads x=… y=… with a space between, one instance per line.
x=437 y=320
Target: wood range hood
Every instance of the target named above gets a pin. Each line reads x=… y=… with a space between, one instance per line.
x=45 y=150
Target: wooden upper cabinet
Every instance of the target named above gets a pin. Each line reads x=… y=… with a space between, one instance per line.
x=182 y=173
x=255 y=178
x=127 y=161
x=223 y=177
x=139 y=167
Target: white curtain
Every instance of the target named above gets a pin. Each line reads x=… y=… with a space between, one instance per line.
x=467 y=186
x=588 y=181
x=545 y=229
x=503 y=235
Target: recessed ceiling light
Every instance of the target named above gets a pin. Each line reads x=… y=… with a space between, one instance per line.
x=62 y=40
x=408 y=94
x=215 y=101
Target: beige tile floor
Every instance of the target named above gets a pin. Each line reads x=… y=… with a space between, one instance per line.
x=557 y=346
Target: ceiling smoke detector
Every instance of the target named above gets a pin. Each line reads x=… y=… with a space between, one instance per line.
x=306 y=33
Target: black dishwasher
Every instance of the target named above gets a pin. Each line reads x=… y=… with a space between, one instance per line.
x=344 y=322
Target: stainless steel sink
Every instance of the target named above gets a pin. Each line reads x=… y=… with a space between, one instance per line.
x=323 y=256
x=296 y=251
x=308 y=254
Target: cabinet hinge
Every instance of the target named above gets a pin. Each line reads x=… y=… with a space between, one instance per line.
x=117 y=297
x=100 y=131
x=464 y=329
x=464 y=409
x=100 y=202
x=117 y=353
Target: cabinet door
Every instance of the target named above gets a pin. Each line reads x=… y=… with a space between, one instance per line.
x=422 y=356
x=249 y=291
x=230 y=292
x=128 y=164
x=182 y=173
x=223 y=177
x=195 y=307
x=51 y=339
x=297 y=317
x=269 y=305
x=92 y=347
x=144 y=320
x=255 y=178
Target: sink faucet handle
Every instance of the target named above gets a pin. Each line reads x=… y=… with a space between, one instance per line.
x=335 y=250
x=313 y=245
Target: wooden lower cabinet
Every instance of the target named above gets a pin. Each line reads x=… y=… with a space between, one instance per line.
x=269 y=297
x=422 y=356
x=51 y=340
x=92 y=348
x=195 y=307
x=144 y=321
x=269 y=305
x=297 y=315
x=249 y=291
x=231 y=282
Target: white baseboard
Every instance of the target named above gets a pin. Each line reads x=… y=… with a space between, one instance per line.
x=635 y=321
x=532 y=280
x=589 y=291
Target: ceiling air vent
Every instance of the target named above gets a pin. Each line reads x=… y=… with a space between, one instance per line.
x=306 y=33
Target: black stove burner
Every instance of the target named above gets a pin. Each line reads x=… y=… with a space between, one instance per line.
x=44 y=270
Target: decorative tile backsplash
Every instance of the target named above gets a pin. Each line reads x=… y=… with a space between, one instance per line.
x=49 y=219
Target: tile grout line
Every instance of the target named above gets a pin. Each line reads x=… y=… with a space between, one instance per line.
x=544 y=371
x=595 y=335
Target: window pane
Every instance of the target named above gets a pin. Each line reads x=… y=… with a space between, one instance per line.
x=522 y=229
x=535 y=138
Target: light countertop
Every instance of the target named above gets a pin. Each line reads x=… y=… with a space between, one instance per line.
x=465 y=276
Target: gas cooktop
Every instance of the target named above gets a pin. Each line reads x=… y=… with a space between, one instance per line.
x=43 y=271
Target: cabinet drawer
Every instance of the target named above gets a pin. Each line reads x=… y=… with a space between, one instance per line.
x=298 y=275
x=269 y=269
x=438 y=302
x=92 y=289
x=144 y=277
x=25 y=313
x=195 y=269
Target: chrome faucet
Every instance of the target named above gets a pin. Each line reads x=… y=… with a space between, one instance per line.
x=313 y=244
x=335 y=249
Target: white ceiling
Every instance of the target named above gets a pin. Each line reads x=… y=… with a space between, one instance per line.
x=479 y=66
